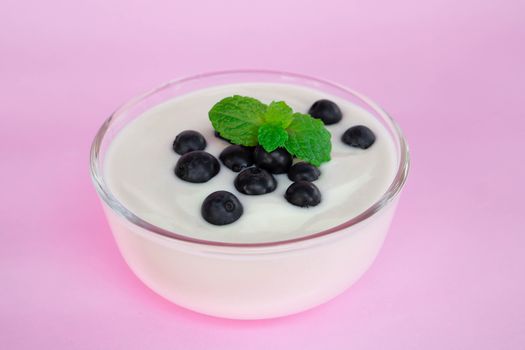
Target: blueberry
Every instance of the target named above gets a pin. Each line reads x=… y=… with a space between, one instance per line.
x=327 y=111
x=303 y=172
x=237 y=157
x=197 y=167
x=221 y=208
x=303 y=194
x=189 y=140
x=359 y=136
x=276 y=162
x=217 y=135
x=255 y=181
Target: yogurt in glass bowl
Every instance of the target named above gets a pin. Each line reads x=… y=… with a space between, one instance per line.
x=276 y=259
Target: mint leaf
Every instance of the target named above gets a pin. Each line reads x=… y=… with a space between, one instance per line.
x=279 y=113
x=238 y=118
x=247 y=121
x=308 y=139
x=272 y=136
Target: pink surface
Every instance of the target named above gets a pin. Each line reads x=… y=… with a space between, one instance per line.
x=450 y=275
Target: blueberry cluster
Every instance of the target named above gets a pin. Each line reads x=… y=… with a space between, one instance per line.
x=256 y=167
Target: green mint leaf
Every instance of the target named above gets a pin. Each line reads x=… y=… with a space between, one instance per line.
x=272 y=136
x=238 y=119
x=308 y=139
x=247 y=121
x=279 y=113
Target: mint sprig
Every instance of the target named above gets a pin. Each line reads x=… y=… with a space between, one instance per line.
x=247 y=121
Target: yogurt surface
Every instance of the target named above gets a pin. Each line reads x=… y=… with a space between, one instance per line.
x=139 y=163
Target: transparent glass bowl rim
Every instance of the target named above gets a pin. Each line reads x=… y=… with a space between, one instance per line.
x=391 y=193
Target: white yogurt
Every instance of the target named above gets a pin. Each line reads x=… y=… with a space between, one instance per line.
x=140 y=161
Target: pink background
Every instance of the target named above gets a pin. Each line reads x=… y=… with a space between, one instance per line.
x=450 y=275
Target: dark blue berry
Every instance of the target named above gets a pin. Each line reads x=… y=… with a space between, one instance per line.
x=255 y=181
x=359 y=136
x=303 y=194
x=221 y=208
x=276 y=162
x=303 y=172
x=197 y=167
x=327 y=111
x=189 y=140
x=237 y=157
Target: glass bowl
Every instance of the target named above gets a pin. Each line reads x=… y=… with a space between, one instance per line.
x=247 y=280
